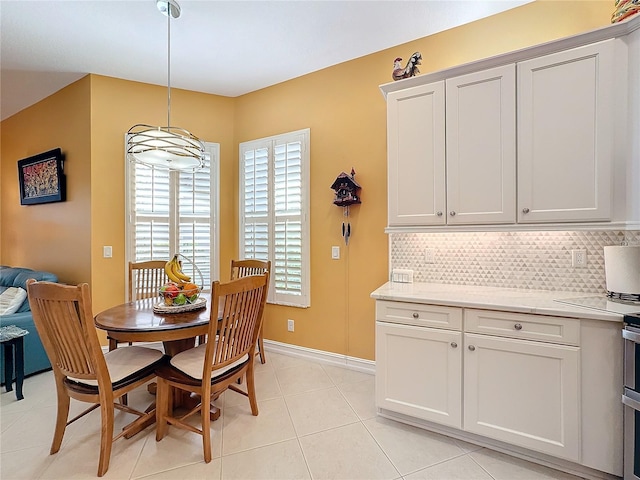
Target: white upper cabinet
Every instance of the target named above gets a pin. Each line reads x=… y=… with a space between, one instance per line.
x=476 y=150
x=538 y=137
x=416 y=151
x=481 y=147
x=565 y=135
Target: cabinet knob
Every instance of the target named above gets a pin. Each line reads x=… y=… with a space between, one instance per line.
x=525 y=210
x=454 y=344
x=452 y=213
x=439 y=214
x=472 y=348
x=415 y=315
x=518 y=326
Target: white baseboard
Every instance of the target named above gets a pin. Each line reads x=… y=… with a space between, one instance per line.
x=352 y=363
x=329 y=358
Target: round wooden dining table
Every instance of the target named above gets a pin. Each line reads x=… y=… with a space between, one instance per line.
x=137 y=322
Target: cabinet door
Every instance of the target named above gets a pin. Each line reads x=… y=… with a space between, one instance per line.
x=415 y=157
x=565 y=135
x=419 y=372
x=524 y=393
x=481 y=147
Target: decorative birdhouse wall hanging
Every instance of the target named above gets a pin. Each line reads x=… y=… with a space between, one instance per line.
x=346 y=190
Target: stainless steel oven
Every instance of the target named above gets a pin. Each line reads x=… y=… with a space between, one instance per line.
x=631 y=397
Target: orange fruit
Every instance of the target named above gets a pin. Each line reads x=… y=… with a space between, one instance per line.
x=190 y=289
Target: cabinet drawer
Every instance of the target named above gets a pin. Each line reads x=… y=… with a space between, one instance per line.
x=526 y=326
x=419 y=314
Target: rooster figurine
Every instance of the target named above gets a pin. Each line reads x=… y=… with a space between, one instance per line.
x=410 y=70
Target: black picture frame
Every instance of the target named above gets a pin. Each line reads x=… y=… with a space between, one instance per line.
x=42 y=178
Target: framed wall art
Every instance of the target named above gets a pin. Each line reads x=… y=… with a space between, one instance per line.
x=42 y=178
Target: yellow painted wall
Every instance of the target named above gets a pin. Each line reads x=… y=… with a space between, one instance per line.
x=54 y=237
x=346 y=113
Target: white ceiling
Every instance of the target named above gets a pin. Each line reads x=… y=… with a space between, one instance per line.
x=222 y=47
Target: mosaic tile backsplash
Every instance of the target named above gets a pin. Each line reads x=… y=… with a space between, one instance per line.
x=531 y=260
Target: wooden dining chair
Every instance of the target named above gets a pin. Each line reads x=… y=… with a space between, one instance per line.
x=145 y=281
x=64 y=320
x=215 y=366
x=243 y=268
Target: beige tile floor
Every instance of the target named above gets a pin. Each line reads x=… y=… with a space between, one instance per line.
x=316 y=422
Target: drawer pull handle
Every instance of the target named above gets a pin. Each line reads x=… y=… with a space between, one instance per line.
x=415 y=315
x=439 y=214
x=452 y=213
x=454 y=344
x=518 y=326
x=472 y=348
x=525 y=210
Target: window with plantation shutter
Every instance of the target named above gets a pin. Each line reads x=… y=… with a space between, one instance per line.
x=175 y=212
x=274 y=212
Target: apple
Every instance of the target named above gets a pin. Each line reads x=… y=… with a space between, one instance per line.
x=181 y=299
x=170 y=290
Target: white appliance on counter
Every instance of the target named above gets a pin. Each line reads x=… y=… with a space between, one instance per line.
x=622 y=271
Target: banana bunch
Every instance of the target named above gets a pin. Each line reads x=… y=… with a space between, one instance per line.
x=173 y=269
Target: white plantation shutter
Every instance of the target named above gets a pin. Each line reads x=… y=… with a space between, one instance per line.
x=175 y=212
x=254 y=190
x=151 y=227
x=195 y=227
x=274 y=193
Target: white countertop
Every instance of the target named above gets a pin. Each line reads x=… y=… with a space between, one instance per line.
x=519 y=300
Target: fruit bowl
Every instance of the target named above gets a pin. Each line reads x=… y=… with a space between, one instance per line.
x=179 y=294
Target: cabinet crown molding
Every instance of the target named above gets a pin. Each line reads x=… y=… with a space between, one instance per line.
x=615 y=30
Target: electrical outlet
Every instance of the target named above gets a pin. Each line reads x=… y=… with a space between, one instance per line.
x=578 y=258
x=429 y=255
x=290 y=325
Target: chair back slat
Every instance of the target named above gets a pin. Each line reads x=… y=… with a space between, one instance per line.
x=146 y=278
x=64 y=320
x=236 y=330
x=250 y=266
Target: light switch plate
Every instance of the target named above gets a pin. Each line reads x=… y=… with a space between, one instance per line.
x=107 y=251
x=400 y=275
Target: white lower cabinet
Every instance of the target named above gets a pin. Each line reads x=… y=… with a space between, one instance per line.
x=422 y=373
x=541 y=384
x=524 y=393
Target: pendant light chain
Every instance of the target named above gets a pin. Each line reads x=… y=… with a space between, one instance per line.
x=169 y=65
x=171 y=148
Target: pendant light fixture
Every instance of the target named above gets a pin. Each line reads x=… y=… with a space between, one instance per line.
x=167 y=147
